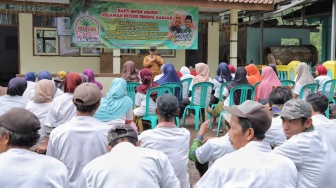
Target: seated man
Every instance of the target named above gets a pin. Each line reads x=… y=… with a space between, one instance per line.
x=127 y=165
x=311 y=151
x=83 y=138
x=20 y=167
x=166 y=137
x=319 y=104
x=253 y=164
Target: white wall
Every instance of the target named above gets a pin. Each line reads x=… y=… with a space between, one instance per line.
x=213 y=47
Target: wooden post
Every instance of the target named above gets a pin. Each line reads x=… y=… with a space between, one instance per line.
x=261 y=43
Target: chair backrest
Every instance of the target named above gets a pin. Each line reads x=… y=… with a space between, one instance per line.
x=287 y=83
x=255 y=89
x=244 y=89
x=186 y=84
x=204 y=89
x=131 y=90
x=331 y=88
x=312 y=87
x=160 y=91
x=282 y=75
x=176 y=87
x=221 y=89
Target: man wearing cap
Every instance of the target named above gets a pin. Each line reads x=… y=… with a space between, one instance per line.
x=166 y=137
x=20 y=167
x=83 y=138
x=253 y=164
x=127 y=165
x=319 y=104
x=312 y=153
x=153 y=62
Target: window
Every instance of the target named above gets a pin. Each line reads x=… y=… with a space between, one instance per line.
x=290 y=41
x=45 y=41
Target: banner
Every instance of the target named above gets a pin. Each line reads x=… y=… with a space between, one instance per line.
x=133 y=26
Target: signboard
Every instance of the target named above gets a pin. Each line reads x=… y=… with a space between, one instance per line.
x=133 y=26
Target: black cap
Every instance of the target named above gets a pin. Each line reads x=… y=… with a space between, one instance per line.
x=121 y=131
x=20 y=120
x=188 y=17
x=167 y=104
x=152 y=47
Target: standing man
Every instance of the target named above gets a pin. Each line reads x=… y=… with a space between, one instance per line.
x=153 y=62
x=127 y=165
x=311 y=152
x=168 y=138
x=20 y=167
x=83 y=138
x=253 y=164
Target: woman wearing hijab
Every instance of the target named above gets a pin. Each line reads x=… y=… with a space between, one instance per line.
x=14 y=98
x=140 y=97
x=91 y=79
x=303 y=77
x=253 y=74
x=30 y=77
x=39 y=106
x=322 y=77
x=270 y=79
x=170 y=76
x=59 y=80
x=84 y=77
x=116 y=108
x=232 y=71
x=223 y=75
x=128 y=72
x=185 y=73
x=203 y=75
x=46 y=75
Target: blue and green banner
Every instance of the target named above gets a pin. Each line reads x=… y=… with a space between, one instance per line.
x=101 y=24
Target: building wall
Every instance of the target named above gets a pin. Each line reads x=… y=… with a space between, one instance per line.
x=213 y=47
x=29 y=62
x=272 y=37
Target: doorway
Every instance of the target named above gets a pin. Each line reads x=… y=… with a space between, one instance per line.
x=9 y=60
x=199 y=55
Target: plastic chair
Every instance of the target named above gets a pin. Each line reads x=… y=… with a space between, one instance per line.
x=331 y=93
x=313 y=89
x=186 y=84
x=244 y=95
x=221 y=90
x=174 y=86
x=152 y=117
x=287 y=83
x=205 y=89
x=255 y=90
x=131 y=90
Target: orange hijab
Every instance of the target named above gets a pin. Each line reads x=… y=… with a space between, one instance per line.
x=253 y=74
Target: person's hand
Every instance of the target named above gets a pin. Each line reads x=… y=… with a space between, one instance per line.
x=204 y=128
x=41 y=149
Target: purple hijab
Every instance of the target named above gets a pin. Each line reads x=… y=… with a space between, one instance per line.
x=170 y=75
x=16 y=86
x=90 y=74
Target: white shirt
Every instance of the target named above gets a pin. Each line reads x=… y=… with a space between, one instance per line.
x=140 y=101
x=297 y=89
x=174 y=142
x=326 y=127
x=29 y=90
x=321 y=80
x=23 y=168
x=217 y=86
x=314 y=157
x=122 y=120
x=197 y=94
x=214 y=149
x=132 y=167
x=275 y=135
x=77 y=142
x=251 y=166
x=185 y=85
x=61 y=111
x=157 y=77
x=40 y=110
x=8 y=102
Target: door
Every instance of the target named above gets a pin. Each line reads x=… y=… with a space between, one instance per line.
x=199 y=55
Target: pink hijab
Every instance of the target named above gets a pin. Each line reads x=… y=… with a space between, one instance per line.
x=266 y=85
x=203 y=73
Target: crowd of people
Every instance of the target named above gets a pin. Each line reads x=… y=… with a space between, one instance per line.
x=65 y=132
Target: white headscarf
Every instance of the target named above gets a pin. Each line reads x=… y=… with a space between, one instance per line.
x=184 y=71
x=303 y=75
